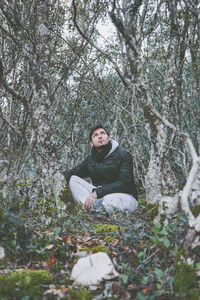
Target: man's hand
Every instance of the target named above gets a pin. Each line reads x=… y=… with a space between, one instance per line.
x=90 y=200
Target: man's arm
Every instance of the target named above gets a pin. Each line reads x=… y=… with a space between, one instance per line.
x=80 y=170
x=124 y=183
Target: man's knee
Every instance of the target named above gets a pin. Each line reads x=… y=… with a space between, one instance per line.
x=111 y=202
x=125 y=203
x=74 y=180
x=76 y=183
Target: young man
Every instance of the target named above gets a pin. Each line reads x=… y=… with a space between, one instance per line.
x=111 y=171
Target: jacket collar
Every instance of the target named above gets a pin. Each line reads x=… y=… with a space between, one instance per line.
x=115 y=144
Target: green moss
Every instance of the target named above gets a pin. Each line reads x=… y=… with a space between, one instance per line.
x=180 y=256
x=109 y=239
x=164 y=205
x=81 y=294
x=66 y=194
x=102 y=228
x=153 y=210
x=57 y=268
x=196 y=210
x=95 y=249
x=142 y=202
x=66 y=197
x=185 y=281
x=24 y=283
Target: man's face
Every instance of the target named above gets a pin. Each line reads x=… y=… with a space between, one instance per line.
x=99 y=138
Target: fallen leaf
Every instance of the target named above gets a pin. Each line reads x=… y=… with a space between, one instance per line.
x=87 y=233
x=51 y=261
x=114 y=253
x=49 y=246
x=146 y=290
x=45 y=264
x=86 y=239
x=126 y=248
x=115 y=243
x=131 y=286
x=68 y=240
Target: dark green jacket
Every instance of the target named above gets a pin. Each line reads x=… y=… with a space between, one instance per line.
x=114 y=174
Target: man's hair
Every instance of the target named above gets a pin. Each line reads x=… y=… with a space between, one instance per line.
x=95 y=127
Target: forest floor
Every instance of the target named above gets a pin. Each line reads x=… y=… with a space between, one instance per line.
x=143 y=253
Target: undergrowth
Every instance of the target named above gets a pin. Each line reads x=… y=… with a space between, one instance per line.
x=144 y=253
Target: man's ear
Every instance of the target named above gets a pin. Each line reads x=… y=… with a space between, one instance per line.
x=91 y=144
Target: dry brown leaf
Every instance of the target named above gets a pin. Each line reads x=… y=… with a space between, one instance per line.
x=69 y=240
x=131 y=286
x=115 y=243
x=126 y=248
x=115 y=253
x=45 y=264
x=146 y=290
x=87 y=233
x=51 y=261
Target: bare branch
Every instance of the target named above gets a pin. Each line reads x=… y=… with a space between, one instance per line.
x=176 y=130
x=125 y=82
x=15 y=94
x=119 y=25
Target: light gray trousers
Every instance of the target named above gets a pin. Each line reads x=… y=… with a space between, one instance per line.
x=81 y=189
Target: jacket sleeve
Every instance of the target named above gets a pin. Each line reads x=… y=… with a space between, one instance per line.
x=124 y=183
x=80 y=170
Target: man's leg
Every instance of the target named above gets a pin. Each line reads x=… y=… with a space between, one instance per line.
x=120 y=201
x=80 y=188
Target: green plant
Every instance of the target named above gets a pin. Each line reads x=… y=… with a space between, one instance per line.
x=23 y=283
x=14 y=235
x=95 y=249
x=104 y=228
x=80 y=294
x=161 y=235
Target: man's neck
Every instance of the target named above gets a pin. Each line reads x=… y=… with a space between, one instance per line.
x=103 y=148
x=98 y=149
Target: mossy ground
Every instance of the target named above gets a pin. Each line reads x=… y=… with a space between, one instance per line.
x=104 y=228
x=18 y=284
x=152 y=208
x=81 y=294
x=185 y=279
x=95 y=249
x=185 y=282
x=144 y=253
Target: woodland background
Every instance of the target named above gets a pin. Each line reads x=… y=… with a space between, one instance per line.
x=59 y=76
